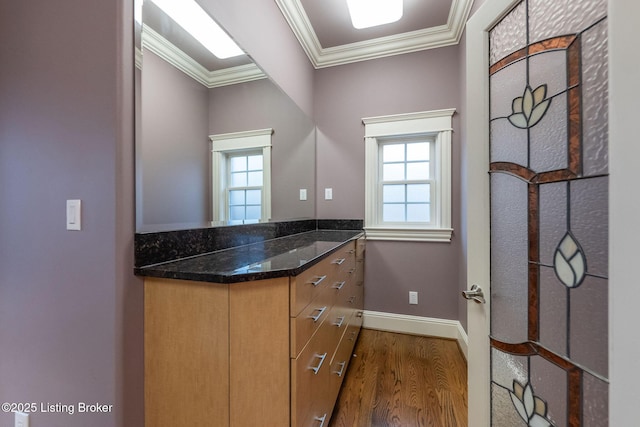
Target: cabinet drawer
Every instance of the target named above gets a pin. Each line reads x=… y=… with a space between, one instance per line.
x=305 y=324
x=342 y=357
x=311 y=402
x=309 y=284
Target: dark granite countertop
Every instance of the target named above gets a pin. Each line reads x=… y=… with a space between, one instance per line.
x=280 y=257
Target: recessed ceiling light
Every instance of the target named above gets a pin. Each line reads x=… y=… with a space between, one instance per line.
x=370 y=13
x=193 y=19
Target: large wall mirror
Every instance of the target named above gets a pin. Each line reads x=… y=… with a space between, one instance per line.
x=184 y=96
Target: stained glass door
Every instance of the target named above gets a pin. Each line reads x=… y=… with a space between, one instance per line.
x=549 y=215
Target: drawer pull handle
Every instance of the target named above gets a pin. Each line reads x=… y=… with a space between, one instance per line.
x=321 y=419
x=318 y=280
x=352 y=299
x=342 y=365
x=353 y=336
x=315 y=369
x=339 y=321
x=338 y=261
x=339 y=285
x=353 y=270
x=351 y=251
x=319 y=315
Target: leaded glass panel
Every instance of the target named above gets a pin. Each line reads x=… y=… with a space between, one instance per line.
x=588 y=344
x=590 y=219
x=549 y=214
x=554 y=320
x=595 y=80
x=548 y=139
x=508 y=83
x=509 y=35
x=509 y=259
x=596 y=402
x=511 y=144
x=549 y=18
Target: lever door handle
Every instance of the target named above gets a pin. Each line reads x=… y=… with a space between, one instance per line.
x=475 y=294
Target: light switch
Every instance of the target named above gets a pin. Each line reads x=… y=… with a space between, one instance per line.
x=74 y=217
x=328 y=193
x=303 y=194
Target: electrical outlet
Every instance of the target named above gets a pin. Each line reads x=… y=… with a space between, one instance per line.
x=21 y=419
x=413 y=297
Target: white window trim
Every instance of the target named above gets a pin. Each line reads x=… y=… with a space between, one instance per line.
x=437 y=123
x=225 y=143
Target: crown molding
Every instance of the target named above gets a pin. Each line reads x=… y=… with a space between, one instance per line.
x=166 y=50
x=429 y=38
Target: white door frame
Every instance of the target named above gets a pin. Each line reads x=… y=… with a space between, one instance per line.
x=477 y=203
x=624 y=231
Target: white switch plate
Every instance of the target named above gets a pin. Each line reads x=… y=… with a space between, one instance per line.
x=21 y=420
x=413 y=297
x=328 y=193
x=303 y=194
x=74 y=215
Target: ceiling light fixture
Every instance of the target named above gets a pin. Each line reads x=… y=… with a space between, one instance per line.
x=193 y=19
x=370 y=13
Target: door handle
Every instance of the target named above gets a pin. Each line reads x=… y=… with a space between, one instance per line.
x=475 y=294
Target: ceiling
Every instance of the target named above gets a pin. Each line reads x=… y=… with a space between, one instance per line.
x=324 y=29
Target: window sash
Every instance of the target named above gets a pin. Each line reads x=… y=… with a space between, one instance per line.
x=431 y=181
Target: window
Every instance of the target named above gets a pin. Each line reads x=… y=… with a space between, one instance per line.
x=244 y=189
x=241 y=176
x=408 y=176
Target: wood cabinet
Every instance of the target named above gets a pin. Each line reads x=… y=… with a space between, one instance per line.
x=268 y=352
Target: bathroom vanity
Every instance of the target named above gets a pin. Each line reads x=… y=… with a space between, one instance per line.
x=254 y=335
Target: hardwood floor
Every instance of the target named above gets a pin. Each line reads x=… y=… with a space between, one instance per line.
x=403 y=380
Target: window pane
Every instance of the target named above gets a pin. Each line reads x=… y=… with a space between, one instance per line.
x=253 y=212
x=236 y=212
x=418 y=170
x=255 y=162
x=254 y=197
x=393 y=153
x=239 y=179
x=393 y=194
x=418 y=151
x=393 y=213
x=236 y=197
x=418 y=212
x=255 y=179
x=393 y=172
x=238 y=163
x=418 y=193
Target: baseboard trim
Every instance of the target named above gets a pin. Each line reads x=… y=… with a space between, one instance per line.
x=417 y=325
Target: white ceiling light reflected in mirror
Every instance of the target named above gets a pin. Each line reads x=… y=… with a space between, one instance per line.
x=193 y=19
x=371 y=13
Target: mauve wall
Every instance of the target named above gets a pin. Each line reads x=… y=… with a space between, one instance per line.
x=261 y=104
x=175 y=165
x=266 y=36
x=427 y=80
x=70 y=308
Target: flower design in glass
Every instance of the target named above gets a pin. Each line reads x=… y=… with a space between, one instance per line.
x=530 y=407
x=529 y=108
x=569 y=262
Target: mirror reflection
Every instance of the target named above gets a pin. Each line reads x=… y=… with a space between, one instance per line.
x=205 y=123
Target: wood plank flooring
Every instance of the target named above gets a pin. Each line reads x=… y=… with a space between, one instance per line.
x=403 y=380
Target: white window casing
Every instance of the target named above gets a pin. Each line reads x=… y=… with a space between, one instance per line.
x=221 y=146
x=435 y=124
